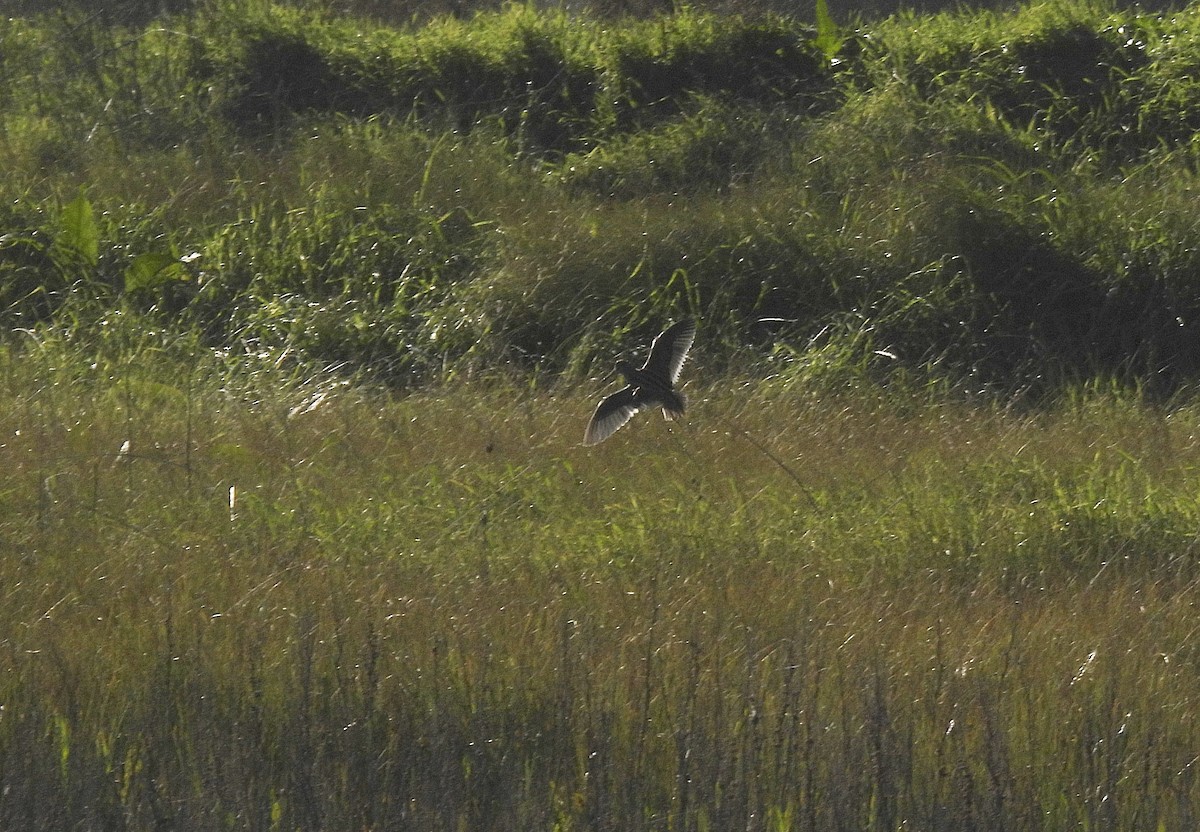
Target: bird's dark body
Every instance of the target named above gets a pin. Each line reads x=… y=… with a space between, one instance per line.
x=652 y=384
x=649 y=389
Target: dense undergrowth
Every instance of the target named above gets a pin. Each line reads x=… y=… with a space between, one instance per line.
x=299 y=310
x=990 y=197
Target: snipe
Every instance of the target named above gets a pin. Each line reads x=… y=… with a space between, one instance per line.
x=651 y=384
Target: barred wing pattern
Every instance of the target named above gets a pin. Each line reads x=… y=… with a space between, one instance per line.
x=669 y=351
x=651 y=384
x=611 y=415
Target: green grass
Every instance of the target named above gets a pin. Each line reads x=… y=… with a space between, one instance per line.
x=304 y=316
x=409 y=202
x=295 y=604
x=412 y=202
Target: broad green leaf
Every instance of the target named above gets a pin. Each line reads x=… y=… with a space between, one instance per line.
x=79 y=231
x=151 y=270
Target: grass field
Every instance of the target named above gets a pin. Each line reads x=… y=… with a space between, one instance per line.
x=304 y=317
x=310 y=606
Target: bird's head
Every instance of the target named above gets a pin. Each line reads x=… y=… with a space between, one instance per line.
x=626 y=369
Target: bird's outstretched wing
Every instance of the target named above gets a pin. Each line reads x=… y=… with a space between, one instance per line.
x=670 y=349
x=652 y=384
x=611 y=414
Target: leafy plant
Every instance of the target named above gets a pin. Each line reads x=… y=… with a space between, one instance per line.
x=829 y=37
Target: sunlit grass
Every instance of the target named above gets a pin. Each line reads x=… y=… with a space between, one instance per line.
x=308 y=539
x=310 y=602
x=520 y=187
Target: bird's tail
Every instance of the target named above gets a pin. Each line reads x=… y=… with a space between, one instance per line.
x=673 y=406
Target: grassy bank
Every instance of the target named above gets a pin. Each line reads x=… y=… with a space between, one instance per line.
x=997 y=198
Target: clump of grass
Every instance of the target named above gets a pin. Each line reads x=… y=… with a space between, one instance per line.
x=653 y=67
x=531 y=73
x=321 y=275
x=550 y=81
x=1091 y=82
x=713 y=147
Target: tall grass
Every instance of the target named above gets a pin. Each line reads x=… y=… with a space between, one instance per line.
x=295 y=604
x=296 y=531
x=522 y=186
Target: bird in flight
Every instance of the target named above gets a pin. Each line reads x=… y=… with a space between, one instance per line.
x=651 y=384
